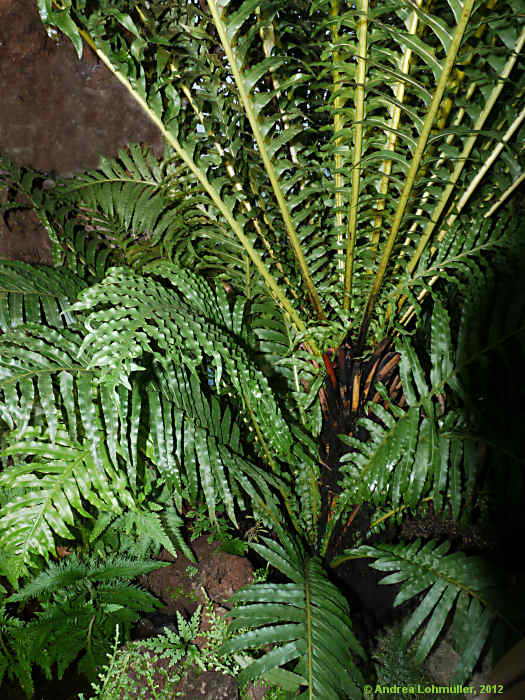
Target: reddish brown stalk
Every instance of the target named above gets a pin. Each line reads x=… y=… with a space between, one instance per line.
x=391 y=360
x=329 y=368
x=349 y=522
x=323 y=400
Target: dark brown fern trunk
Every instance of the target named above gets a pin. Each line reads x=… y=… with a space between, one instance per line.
x=343 y=404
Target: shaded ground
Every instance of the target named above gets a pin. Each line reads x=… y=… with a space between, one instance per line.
x=180 y=587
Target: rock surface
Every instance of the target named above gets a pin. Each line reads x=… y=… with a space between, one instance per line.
x=209 y=685
x=58 y=114
x=219 y=573
x=183 y=586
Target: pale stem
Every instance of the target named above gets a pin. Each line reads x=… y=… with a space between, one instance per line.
x=359 y=115
x=416 y=160
x=267 y=161
x=469 y=145
x=338 y=158
x=395 y=118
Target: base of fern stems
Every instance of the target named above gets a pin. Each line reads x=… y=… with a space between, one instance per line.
x=343 y=405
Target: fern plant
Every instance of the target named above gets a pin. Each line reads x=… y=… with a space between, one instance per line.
x=269 y=318
x=81 y=601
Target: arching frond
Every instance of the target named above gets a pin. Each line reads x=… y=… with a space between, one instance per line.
x=197 y=445
x=183 y=322
x=36 y=295
x=446 y=583
x=188 y=322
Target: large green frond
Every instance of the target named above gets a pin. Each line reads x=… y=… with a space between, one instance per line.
x=252 y=98
x=51 y=490
x=198 y=447
x=447 y=584
x=182 y=322
x=411 y=161
x=288 y=150
x=186 y=322
x=306 y=621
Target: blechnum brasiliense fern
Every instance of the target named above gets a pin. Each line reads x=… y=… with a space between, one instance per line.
x=236 y=322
